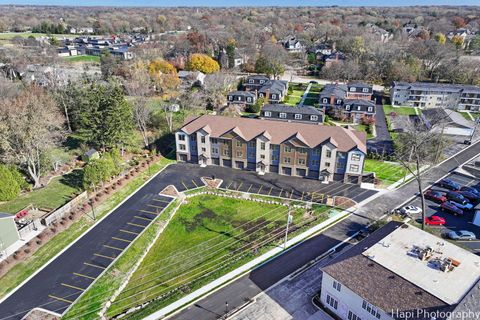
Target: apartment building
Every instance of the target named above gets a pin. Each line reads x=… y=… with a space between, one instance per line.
x=436 y=95
x=398 y=272
x=315 y=151
x=284 y=112
x=352 y=101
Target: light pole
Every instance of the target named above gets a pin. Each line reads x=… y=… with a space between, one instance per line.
x=289 y=220
x=90 y=202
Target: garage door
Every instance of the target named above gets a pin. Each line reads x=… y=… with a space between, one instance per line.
x=301 y=172
x=239 y=164
x=216 y=161
x=313 y=174
x=227 y=163
x=287 y=171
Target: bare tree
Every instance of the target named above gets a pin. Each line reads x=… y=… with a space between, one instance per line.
x=417 y=147
x=139 y=86
x=31 y=126
x=216 y=87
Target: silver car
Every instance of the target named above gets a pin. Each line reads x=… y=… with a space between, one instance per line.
x=461 y=235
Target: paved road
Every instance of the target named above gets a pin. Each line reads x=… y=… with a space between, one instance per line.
x=248 y=286
x=61 y=282
x=382 y=143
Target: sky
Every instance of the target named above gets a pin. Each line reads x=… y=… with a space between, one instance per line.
x=229 y=3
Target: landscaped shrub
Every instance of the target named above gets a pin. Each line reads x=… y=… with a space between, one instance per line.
x=11 y=183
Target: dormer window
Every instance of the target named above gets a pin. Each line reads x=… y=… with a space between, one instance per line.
x=370 y=109
x=249 y=99
x=365 y=89
x=298 y=116
x=283 y=115
x=239 y=98
x=267 y=114
x=353 y=89
x=250 y=81
x=262 y=81
x=339 y=101
x=314 y=118
x=325 y=100
x=359 y=108
x=230 y=98
x=347 y=107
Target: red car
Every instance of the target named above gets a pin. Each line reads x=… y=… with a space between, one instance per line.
x=435 y=221
x=435 y=196
x=451 y=208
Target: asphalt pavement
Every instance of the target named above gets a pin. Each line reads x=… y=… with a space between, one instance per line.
x=62 y=281
x=382 y=143
x=247 y=287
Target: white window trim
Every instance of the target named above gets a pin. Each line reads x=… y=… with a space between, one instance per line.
x=282 y=115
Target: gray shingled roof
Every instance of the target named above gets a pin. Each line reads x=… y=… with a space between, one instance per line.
x=289 y=109
x=275 y=86
x=241 y=93
x=337 y=90
x=375 y=283
x=436 y=86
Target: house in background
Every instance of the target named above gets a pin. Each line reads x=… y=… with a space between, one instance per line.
x=381 y=34
x=292 y=114
x=292 y=45
x=242 y=98
x=396 y=270
x=325 y=153
x=255 y=82
x=273 y=91
x=447 y=122
x=191 y=78
x=352 y=101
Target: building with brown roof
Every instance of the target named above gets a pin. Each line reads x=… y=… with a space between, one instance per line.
x=308 y=150
x=399 y=272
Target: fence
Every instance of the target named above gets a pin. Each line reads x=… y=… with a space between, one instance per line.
x=58 y=214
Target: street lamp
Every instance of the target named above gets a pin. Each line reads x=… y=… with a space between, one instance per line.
x=289 y=220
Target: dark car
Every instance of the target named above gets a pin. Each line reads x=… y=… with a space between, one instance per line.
x=313 y=82
x=435 y=196
x=470 y=189
x=457 y=197
x=451 y=208
x=449 y=184
x=470 y=195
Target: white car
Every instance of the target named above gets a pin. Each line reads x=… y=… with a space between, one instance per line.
x=410 y=210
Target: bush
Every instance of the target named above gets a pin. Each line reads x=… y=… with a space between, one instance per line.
x=11 y=183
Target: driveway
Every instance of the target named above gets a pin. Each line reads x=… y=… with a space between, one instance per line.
x=62 y=281
x=382 y=143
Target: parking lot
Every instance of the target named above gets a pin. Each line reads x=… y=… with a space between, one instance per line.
x=453 y=222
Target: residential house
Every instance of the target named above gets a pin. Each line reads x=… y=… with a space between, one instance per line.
x=315 y=151
x=435 y=95
x=447 y=121
x=382 y=34
x=335 y=57
x=293 y=45
x=192 y=78
x=352 y=101
x=255 y=82
x=399 y=272
x=466 y=34
x=273 y=91
x=292 y=114
x=243 y=98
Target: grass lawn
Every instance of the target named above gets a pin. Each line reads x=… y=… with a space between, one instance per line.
x=25 y=269
x=208 y=237
x=11 y=35
x=58 y=192
x=83 y=58
x=292 y=100
x=404 y=111
x=387 y=172
x=363 y=128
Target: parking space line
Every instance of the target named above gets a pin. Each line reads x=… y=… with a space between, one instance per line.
x=73 y=287
x=228 y=187
x=196 y=185
x=303 y=193
x=83 y=275
x=151 y=212
x=112 y=247
x=103 y=256
x=186 y=188
x=143 y=218
x=248 y=190
x=280 y=194
x=59 y=299
x=239 y=186
x=291 y=194
x=94 y=265
x=261 y=186
x=160 y=200
x=135 y=225
x=154 y=206
x=120 y=239
x=130 y=232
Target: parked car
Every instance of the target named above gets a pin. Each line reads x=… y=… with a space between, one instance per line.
x=470 y=189
x=457 y=197
x=410 y=210
x=470 y=195
x=461 y=235
x=435 y=221
x=451 y=208
x=463 y=205
x=449 y=184
x=435 y=196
